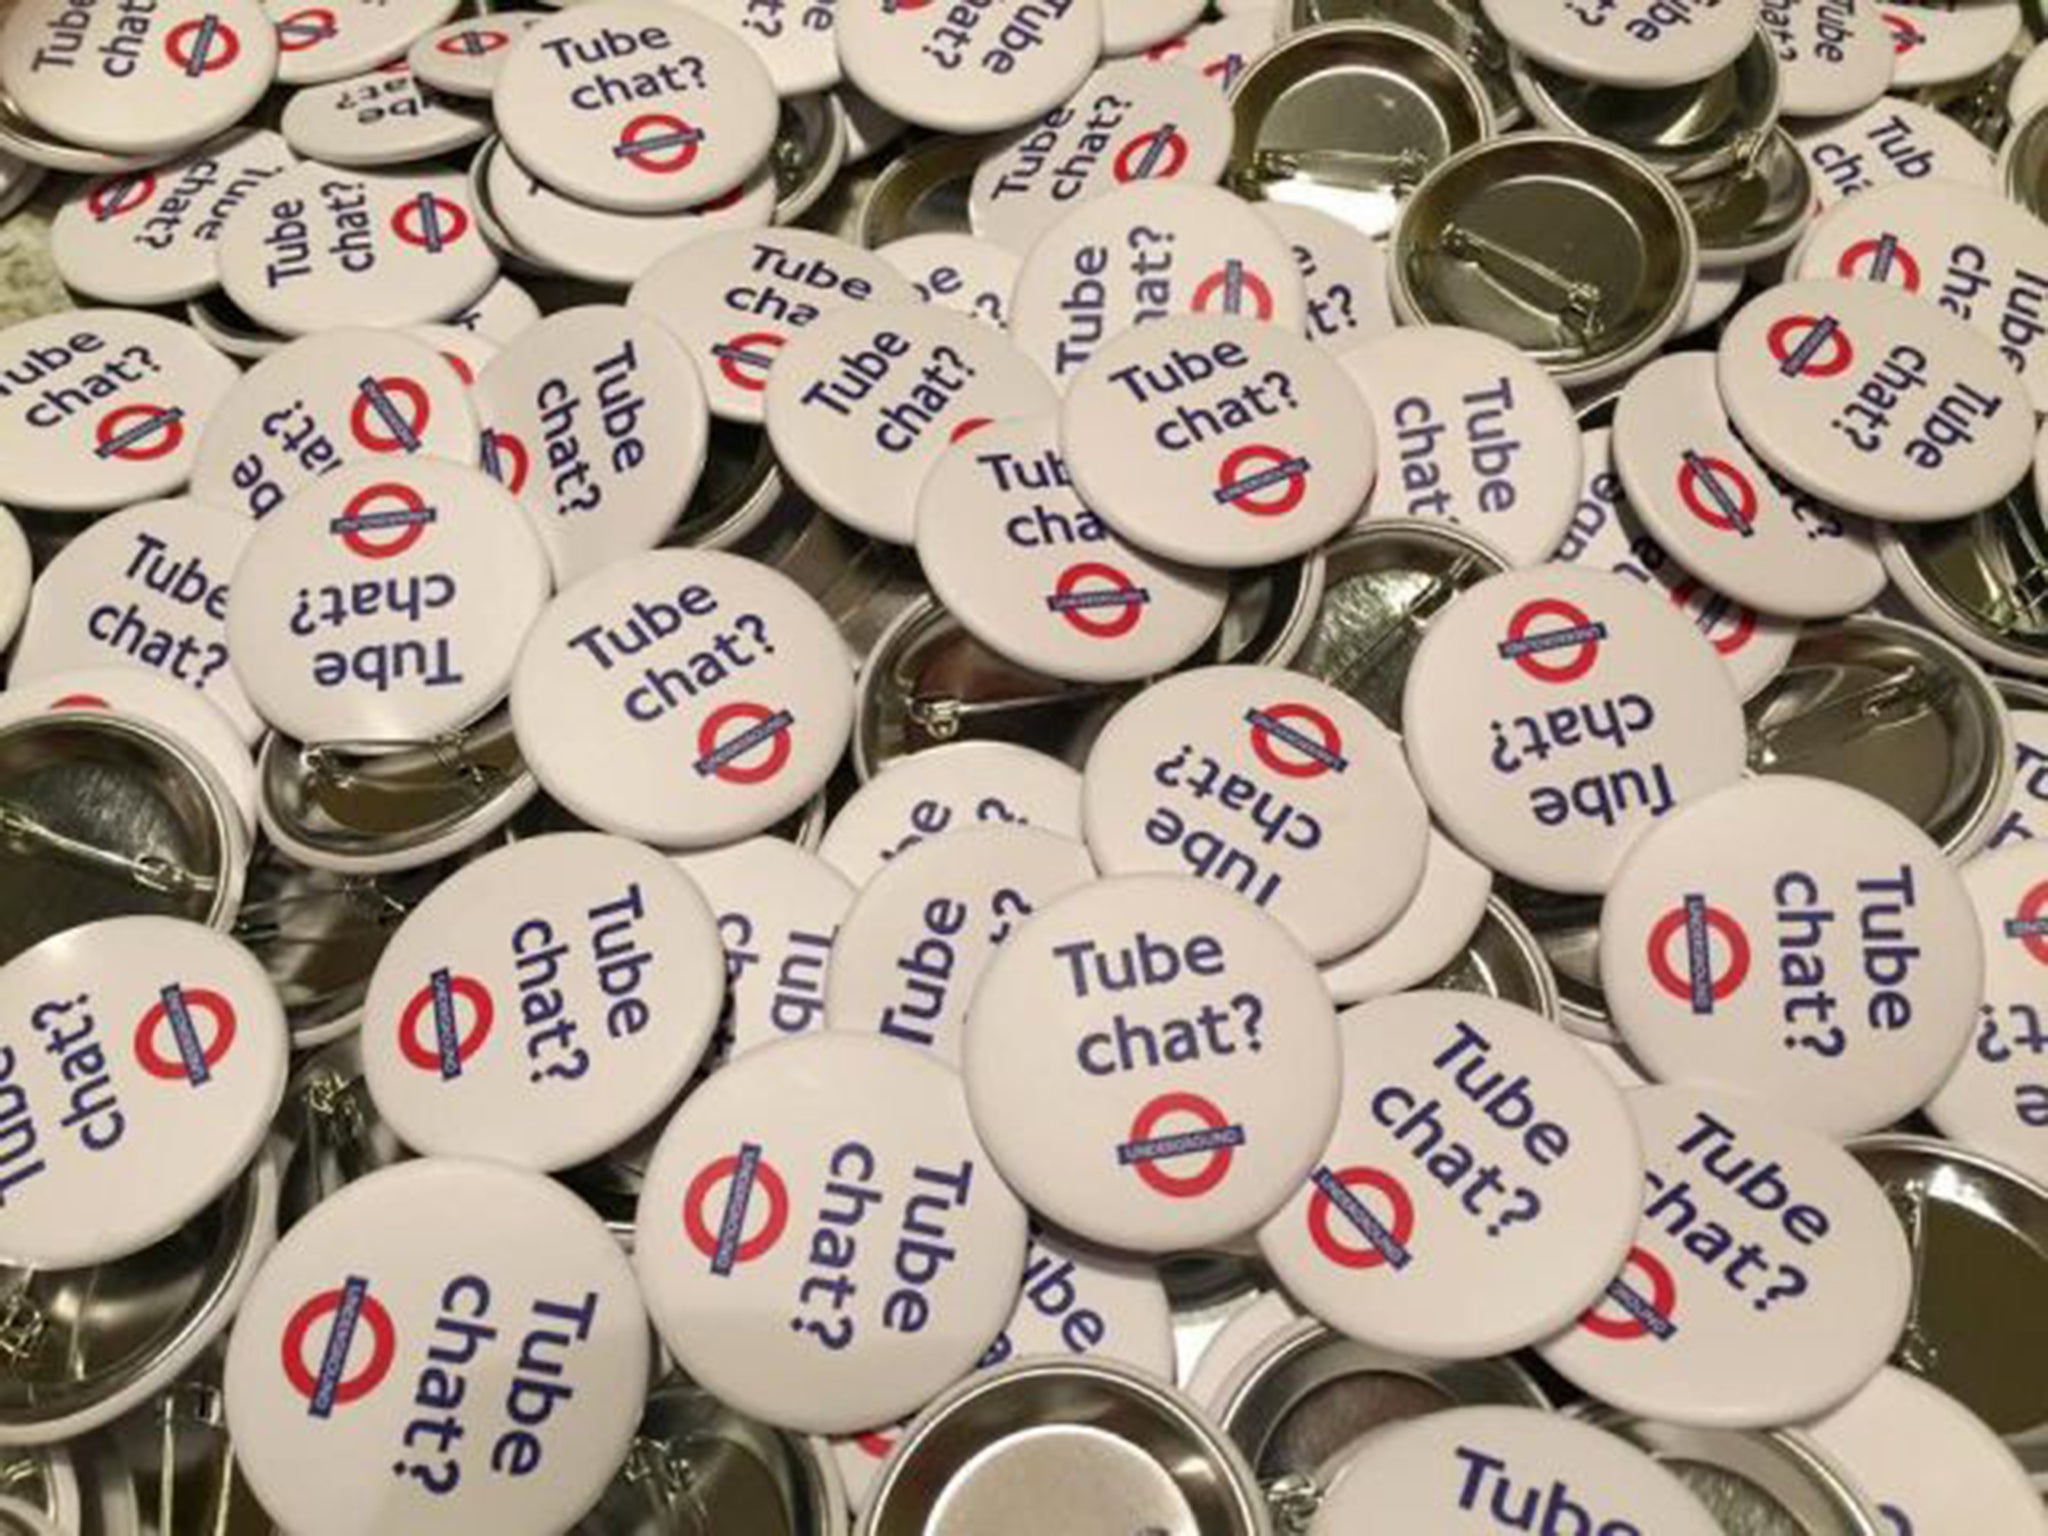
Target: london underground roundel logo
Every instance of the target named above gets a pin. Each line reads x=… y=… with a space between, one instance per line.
x=1262 y=480
x=429 y=223
x=505 y=459
x=1552 y=640
x=1345 y=1227
x=472 y=43
x=1810 y=346
x=1213 y=1140
x=1645 y=1296
x=202 y=45
x=172 y=1042
x=2030 y=924
x=659 y=143
x=383 y=520
x=762 y=734
x=389 y=414
x=747 y=357
x=1698 y=954
x=1881 y=260
x=1296 y=741
x=306 y=29
x=1717 y=493
x=1157 y=155
x=1726 y=624
x=742 y=1184
x=1099 y=600
x=1233 y=289
x=136 y=434
x=119 y=195
x=445 y=1023
x=320 y=1342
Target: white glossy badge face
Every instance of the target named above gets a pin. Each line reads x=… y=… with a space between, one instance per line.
x=957 y=271
x=822 y=1240
x=320 y=40
x=1707 y=501
x=1471 y=431
x=635 y=105
x=148 y=1057
x=102 y=407
x=921 y=933
x=1130 y=121
x=595 y=420
x=1635 y=43
x=382 y=118
x=1795 y=940
x=1271 y=784
x=386 y=602
x=1949 y=40
x=1219 y=51
x=1875 y=400
x=1473 y=1471
x=1996 y=1100
x=1891 y=140
x=544 y=1004
x=1131 y=25
x=445 y=1346
x=798 y=45
x=1218 y=441
x=683 y=697
x=1832 y=58
x=862 y=402
x=1438 y=922
x=1479 y=1190
x=349 y=395
x=319 y=247
x=778 y=908
x=1188 y=1045
x=139 y=81
x=1768 y=1281
x=1607 y=535
x=737 y=300
x=149 y=236
x=947 y=789
x=1078 y=1301
x=1016 y=556
x=17 y=570
x=147 y=587
x=1344 y=275
x=969 y=71
x=463 y=58
x=2026 y=814
x=1978 y=256
x=1140 y=254
x=1553 y=714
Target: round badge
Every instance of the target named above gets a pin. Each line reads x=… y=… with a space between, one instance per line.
x=1832 y=58
x=503 y=312
x=1343 y=273
x=595 y=420
x=463 y=57
x=1875 y=401
x=17 y=573
x=1978 y=256
x=444 y=1346
x=2026 y=814
x=149 y=1060
x=947 y=789
x=635 y=105
x=921 y=933
x=1276 y=786
x=1128 y=122
x=1218 y=441
x=102 y=407
x=1640 y=44
x=346 y=396
x=778 y=907
x=1472 y=431
x=683 y=697
x=1141 y=254
x=1607 y=535
x=1472 y=1471
x=544 y=1004
x=147 y=587
x=1795 y=940
x=322 y=40
x=1942 y=42
x=1768 y=1278
x=737 y=300
x=1720 y=514
x=1183 y=1043
x=1479 y=1190
x=1027 y=569
x=1130 y=26
x=1220 y=52
x=798 y=46
x=863 y=401
x=149 y=236
x=1432 y=930
x=464 y=351
x=382 y=118
x=956 y=271
x=1996 y=1100
x=1712 y=297
x=1891 y=140
x=320 y=248
x=386 y=602
x=136 y=81
x=940 y=68
x=822 y=1239
x=2028 y=92
x=1553 y=713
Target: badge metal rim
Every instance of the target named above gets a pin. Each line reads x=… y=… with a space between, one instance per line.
x=233 y=333
x=1464 y=30
x=1900 y=547
x=809 y=149
x=1503 y=927
x=941 y=164
x=63 y=1509
x=729 y=520
x=2023 y=163
x=23 y=138
x=1781 y=223
x=1582 y=1004
x=318 y=1129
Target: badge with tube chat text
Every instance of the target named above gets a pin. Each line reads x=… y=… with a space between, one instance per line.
x=322 y=40
x=798 y=45
x=1552 y=713
x=385 y=603
x=2026 y=814
x=1944 y=41
x=969 y=70
x=956 y=271
x=1832 y=58
x=443 y=1346
x=467 y=353
x=148 y=1059
x=685 y=698
x=1346 y=302
x=1891 y=140
x=463 y=57
x=504 y=310
x=1636 y=44
x=1768 y=1280
x=1189 y=1047
x=383 y=118
x=1218 y=441
x=822 y=1239
x=1432 y=930
x=544 y=1004
x=1219 y=51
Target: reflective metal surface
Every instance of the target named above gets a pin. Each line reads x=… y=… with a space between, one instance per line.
x=1982 y=580
x=1503 y=960
x=1567 y=930
x=1460 y=25
x=1757 y=207
x=332 y=1129
x=178 y=1454
x=740 y=486
x=810 y=146
x=2024 y=165
x=923 y=192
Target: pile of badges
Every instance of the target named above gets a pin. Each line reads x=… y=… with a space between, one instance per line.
x=986 y=767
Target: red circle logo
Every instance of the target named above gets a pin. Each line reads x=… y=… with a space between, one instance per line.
x=1397 y=1226
x=1098 y=599
x=1159 y=155
x=1555 y=655
x=444 y=1045
x=1642 y=1313
x=725 y=1242
x=306 y=29
x=1718 y=494
x=138 y=433
x=1905 y=35
x=967 y=428
x=1237 y=286
x=659 y=143
x=1810 y=347
x=2029 y=926
x=190 y=1057
x=1727 y=625
x=762 y=728
x=1700 y=980
x=118 y=195
x=471 y=43
x=389 y=504
x=746 y=359
x=1881 y=261
x=389 y=414
x=430 y=223
x=1146 y=1150
x=202 y=45
x=309 y=1379
x=1262 y=480
x=1296 y=741
x=505 y=459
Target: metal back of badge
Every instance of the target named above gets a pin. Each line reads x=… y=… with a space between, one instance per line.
x=1982 y=581
x=102 y=816
x=810 y=147
x=1050 y=1445
x=1504 y=960
x=923 y=191
x=741 y=485
x=1567 y=930
x=1979 y=1233
x=182 y=1463
x=1755 y=207
x=1349 y=117
x=1460 y=25
x=2024 y=165
x=1896 y=712
x=332 y=1128
x=44 y=1478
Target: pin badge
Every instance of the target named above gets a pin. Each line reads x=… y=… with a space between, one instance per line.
x=1439 y=921
x=382 y=118
x=913 y=60
x=1832 y=59
x=958 y=271
x=1344 y=275
x=1891 y=140
x=463 y=57
x=323 y=40
x=1635 y=43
